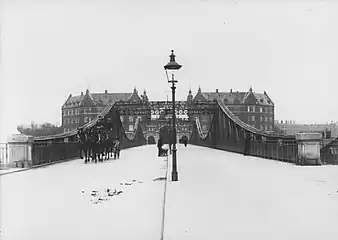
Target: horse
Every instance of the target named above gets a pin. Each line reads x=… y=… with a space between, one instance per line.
x=84 y=145
x=102 y=141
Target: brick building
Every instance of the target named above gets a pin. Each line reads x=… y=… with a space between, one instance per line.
x=81 y=109
x=255 y=109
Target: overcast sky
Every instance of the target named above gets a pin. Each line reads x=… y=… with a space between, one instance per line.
x=51 y=48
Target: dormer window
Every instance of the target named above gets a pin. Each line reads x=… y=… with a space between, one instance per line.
x=262 y=100
x=225 y=100
x=237 y=101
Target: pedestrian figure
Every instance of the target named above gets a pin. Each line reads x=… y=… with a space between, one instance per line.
x=159 y=146
x=170 y=144
x=117 y=149
x=185 y=141
x=247 y=144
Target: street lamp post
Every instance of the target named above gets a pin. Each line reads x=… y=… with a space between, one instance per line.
x=171 y=67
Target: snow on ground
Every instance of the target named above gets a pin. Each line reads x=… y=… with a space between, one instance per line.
x=55 y=202
x=222 y=195
x=219 y=195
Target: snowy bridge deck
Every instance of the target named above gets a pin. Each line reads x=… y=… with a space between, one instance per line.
x=220 y=195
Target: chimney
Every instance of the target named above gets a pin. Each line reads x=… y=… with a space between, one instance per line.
x=81 y=93
x=216 y=90
x=230 y=90
x=105 y=91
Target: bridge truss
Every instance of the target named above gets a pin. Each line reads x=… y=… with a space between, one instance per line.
x=225 y=132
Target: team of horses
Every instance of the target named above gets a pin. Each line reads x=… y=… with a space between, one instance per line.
x=98 y=144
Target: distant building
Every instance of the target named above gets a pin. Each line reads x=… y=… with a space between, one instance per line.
x=291 y=127
x=81 y=109
x=255 y=109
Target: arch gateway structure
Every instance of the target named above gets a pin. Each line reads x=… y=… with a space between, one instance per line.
x=219 y=129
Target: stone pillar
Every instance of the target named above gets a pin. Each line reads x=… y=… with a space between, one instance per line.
x=308 y=148
x=20 y=150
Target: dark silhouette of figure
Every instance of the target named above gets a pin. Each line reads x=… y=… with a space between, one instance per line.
x=159 y=146
x=185 y=142
x=247 y=144
x=170 y=144
x=117 y=149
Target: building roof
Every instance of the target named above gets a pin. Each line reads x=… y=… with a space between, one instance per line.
x=97 y=98
x=231 y=98
x=237 y=97
x=105 y=98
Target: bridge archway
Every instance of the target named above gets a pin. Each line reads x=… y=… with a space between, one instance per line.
x=151 y=140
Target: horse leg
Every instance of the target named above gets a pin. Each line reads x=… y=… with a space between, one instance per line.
x=88 y=153
x=101 y=153
x=96 y=154
x=106 y=152
x=81 y=157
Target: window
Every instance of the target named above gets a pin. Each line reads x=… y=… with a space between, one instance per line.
x=89 y=119
x=86 y=119
x=266 y=118
x=131 y=119
x=252 y=118
x=85 y=110
x=261 y=109
x=248 y=109
x=131 y=128
x=121 y=117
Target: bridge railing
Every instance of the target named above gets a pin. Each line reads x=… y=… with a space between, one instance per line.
x=44 y=153
x=285 y=152
x=227 y=132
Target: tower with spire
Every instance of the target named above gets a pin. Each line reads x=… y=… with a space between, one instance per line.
x=144 y=96
x=190 y=97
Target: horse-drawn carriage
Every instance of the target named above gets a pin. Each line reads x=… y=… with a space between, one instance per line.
x=98 y=143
